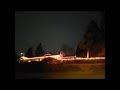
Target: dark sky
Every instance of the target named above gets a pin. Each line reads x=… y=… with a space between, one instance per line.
x=51 y=28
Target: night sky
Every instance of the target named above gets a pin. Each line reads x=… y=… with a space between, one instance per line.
x=51 y=28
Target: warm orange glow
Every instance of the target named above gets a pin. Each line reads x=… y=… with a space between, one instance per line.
x=87 y=53
x=64 y=58
x=59 y=57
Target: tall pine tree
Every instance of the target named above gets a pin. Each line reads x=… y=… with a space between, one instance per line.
x=93 y=39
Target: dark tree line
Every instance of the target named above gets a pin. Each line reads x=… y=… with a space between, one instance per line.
x=38 y=52
x=29 y=52
x=94 y=41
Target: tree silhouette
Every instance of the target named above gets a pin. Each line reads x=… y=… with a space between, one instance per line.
x=94 y=39
x=92 y=33
x=78 y=51
x=29 y=52
x=39 y=50
x=81 y=49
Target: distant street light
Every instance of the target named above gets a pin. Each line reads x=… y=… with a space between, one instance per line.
x=22 y=54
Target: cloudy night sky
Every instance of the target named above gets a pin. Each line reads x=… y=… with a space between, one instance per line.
x=51 y=28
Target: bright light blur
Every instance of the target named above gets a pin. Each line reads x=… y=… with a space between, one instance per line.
x=58 y=57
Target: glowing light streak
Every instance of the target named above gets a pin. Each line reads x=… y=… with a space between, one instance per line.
x=58 y=57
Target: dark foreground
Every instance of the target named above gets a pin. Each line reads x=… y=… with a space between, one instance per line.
x=60 y=71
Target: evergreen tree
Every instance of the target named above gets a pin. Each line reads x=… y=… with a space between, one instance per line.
x=94 y=39
x=29 y=52
x=39 y=50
